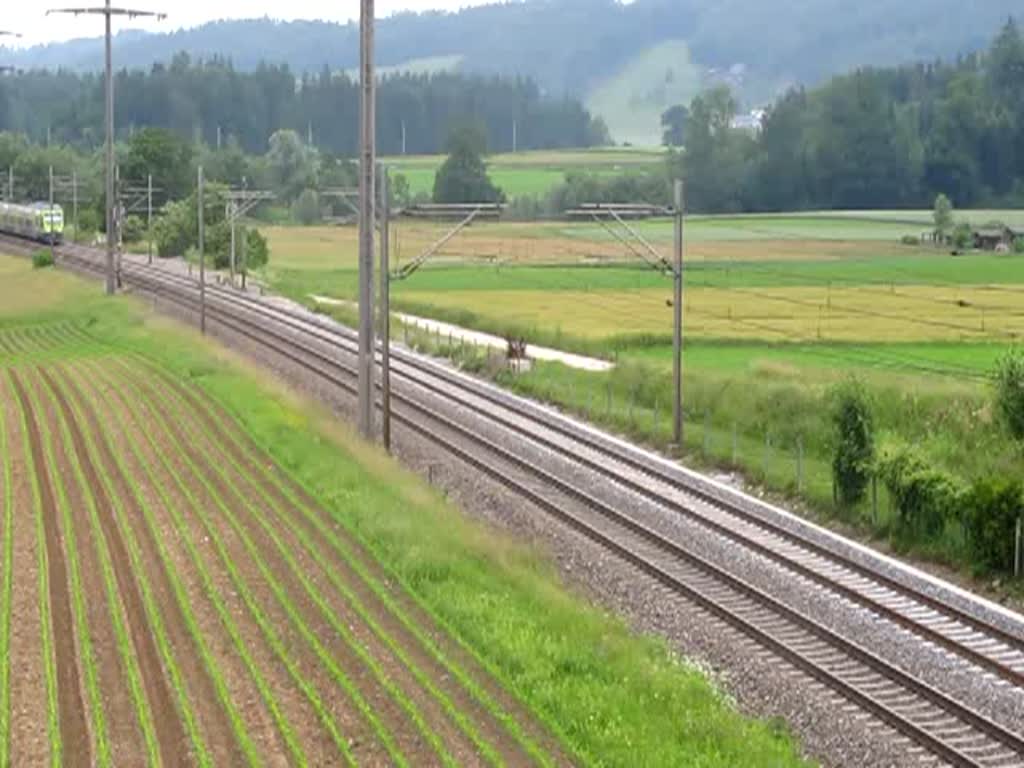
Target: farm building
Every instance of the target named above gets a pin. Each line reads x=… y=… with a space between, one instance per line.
x=992 y=238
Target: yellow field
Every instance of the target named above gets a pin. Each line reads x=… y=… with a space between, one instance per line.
x=324 y=248
x=864 y=314
x=26 y=291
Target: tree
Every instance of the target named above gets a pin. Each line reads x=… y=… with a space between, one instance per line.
x=292 y=165
x=159 y=152
x=943 y=216
x=306 y=208
x=673 y=123
x=855 y=443
x=462 y=178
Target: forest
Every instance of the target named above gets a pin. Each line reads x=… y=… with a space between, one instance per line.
x=876 y=138
x=213 y=102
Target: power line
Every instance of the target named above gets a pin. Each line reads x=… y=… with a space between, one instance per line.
x=108 y=13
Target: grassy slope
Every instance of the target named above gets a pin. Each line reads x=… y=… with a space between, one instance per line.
x=632 y=101
x=616 y=699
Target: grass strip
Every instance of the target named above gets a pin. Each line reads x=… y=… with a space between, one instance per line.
x=495 y=709
x=279 y=647
x=149 y=601
x=45 y=617
x=337 y=673
x=86 y=653
x=457 y=716
x=117 y=617
x=284 y=727
x=354 y=601
x=6 y=592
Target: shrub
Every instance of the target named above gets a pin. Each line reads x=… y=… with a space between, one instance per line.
x=925 y=497
x=306 y=208
x=910 y=240
x=1009 y=382
x=42 y=258
x=855 y=442
x=1018 y=245
x=963 y=236
x=134 y=230
x=991 y=510
x=257 y=252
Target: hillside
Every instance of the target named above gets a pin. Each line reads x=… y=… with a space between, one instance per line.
x=594 y=48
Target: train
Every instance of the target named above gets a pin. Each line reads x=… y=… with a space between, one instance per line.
x=37 y=221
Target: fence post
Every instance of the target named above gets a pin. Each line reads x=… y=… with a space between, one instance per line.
x=1018 y=560
x=874 y=499
x=800 y=464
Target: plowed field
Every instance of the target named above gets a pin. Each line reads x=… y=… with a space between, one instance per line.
x=171 y=597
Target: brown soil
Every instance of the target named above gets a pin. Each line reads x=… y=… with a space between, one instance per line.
x=155 y=487
x=393 y=667
x=174 y=744
x=364 y=745
x=241 y=449
x=29 y=741
x=74 y=729
x=125 y=734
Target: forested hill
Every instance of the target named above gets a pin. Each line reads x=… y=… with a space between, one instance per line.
x=574 y=44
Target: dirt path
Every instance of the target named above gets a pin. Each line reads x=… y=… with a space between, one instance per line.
x=74 y=731
x=175 y=744
x=455 y=675
x=29 y=741
x=126 y=739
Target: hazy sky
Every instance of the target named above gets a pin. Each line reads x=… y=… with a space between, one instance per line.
x=28 y=17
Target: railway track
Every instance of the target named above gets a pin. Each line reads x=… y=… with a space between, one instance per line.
x=949 y=730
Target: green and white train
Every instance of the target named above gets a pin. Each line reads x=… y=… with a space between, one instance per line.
x=38 y=221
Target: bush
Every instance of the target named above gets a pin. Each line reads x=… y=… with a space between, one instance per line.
x=963 y=236
x=910 y=240
x=306 y=208
x=855 y=442
x=925 y=497
x=257 y=252
x=1018 y=245
x=134 y=230
x=42 y=258
x=991 y=510
x=1009 y=381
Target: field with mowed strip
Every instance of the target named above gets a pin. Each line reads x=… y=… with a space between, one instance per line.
x=196 y=568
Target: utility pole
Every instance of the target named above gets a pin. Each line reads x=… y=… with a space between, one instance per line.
x=218 y=136
x=367 y=171
x=403 y=137
x=149 y=218
x=10 y=184
x=515 y=136
x=385 y=311
x=202 y=255
x=53 y=235
x=677 y=312
x=108 y=13
x=74 y=201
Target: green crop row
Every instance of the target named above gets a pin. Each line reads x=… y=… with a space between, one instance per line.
x=115 y=607
x=192 y=404
x=167 y=393
x=240 y=731
x=78 y=599
x=6 y=590
x=45 y=618
x=121 y=416
x=150 y=604
x=339 y=675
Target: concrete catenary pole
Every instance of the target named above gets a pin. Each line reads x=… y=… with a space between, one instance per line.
x=385 y=310
x=149 y=218
x=74 y=201
x=109 y=148
x=367 y=171
x=53 y=235
x=677 y=312
x=108 y=13
x=200 y=206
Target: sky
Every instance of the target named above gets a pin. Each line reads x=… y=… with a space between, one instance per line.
x=29 y=19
